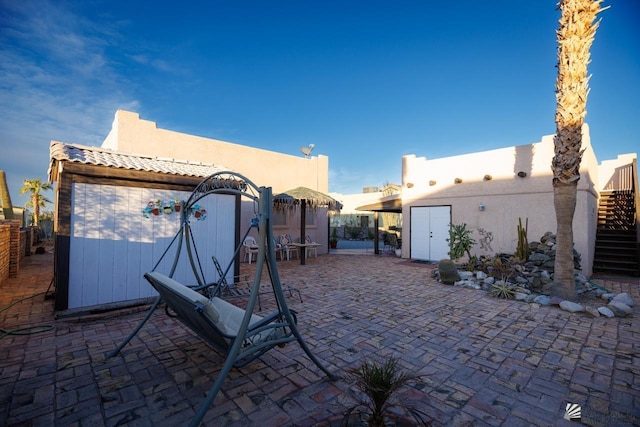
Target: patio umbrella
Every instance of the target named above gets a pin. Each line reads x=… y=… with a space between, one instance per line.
x=304 y=197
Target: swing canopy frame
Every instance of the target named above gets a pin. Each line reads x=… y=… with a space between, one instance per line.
x=238 y=334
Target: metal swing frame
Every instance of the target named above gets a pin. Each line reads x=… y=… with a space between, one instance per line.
x=233 y=183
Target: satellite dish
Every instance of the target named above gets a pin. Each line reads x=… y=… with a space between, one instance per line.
x=307 y=150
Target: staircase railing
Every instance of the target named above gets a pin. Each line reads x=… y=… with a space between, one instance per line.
x=636 y=198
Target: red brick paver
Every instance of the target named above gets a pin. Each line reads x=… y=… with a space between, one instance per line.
x=483 y=361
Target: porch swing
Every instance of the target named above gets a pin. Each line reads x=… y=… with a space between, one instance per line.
x=239 y=335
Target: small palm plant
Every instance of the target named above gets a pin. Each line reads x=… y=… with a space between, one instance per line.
x=380 y=382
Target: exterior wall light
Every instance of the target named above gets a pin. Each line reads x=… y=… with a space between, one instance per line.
x=481 y=207
x=457 y=180
x=409 y=184
x=488 y=178
x=522 y=174
x=432 y=183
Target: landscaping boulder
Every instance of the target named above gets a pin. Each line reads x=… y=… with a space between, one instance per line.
x=571 y=307
x=623 y=298
x=620 y=309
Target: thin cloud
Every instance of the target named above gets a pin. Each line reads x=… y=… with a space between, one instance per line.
x=56 y=82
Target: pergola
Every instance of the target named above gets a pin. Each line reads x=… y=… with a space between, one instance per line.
x=305 y=197
x=393 y=204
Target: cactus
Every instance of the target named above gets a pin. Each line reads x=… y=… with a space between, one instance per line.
x=522 y=250
x=502 y=289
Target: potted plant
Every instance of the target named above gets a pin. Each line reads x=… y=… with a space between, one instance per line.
x=333 y=240
x=379 y=383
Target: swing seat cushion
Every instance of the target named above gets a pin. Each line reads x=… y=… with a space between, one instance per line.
x=224 y=315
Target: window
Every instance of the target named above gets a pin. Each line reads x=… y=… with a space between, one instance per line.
x=310 y=216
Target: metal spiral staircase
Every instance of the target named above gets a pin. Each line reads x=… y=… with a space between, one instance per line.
x=617 y=248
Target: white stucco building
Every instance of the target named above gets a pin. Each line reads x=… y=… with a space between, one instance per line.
x=492 y=190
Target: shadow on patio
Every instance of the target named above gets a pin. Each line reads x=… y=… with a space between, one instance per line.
x=484 y=361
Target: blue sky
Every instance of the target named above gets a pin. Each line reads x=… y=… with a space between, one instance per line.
x=366 y=82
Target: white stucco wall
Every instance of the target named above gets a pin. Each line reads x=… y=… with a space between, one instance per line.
x=280 y=171
x=607 y=171
x=266 y=168
x=506 y=196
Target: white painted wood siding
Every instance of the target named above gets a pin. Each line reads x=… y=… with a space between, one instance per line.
x=113 y=244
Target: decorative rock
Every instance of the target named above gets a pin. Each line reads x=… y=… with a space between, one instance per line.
x=532 y=282
x=571 y=307
x=541 y=299
x=530 y=298
x=608 y=296
x=467 y=284
x=538 y=258
x=620 y=309
x=519 y=296
x=555 y=301
x=606 y=312
x=592 y=311
x=448 y=272
x=624 y=298
x=548 y=238
x=581 y=278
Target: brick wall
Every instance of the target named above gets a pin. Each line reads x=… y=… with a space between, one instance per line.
x=5 y=243
x=26 y=242
x=17 y=243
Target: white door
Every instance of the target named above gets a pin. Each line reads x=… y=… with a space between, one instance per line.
x=429 y=232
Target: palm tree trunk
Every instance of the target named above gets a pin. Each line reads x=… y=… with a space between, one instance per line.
x=36 y=209
x=575 y=36
x=564 y=200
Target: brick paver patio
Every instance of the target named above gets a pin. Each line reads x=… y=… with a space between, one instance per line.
x=483 y=361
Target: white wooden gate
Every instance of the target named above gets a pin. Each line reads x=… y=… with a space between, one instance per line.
x=113 y=242
x=429 y=232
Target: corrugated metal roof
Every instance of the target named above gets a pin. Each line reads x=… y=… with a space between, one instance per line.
x=61 y=151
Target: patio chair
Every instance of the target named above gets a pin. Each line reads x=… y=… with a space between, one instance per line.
x=390 y=242
x=250 y=248
x=313 y=246
x=279 y=249
x=287 y=247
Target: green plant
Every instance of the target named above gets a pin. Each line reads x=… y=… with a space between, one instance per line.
x=502 y=289
x=354 y=233
x=37 y=200
x=498 y=269
x=334 y=235
x=460 y=241
x=522 y=250
x=473 y=262
x=380 y=382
